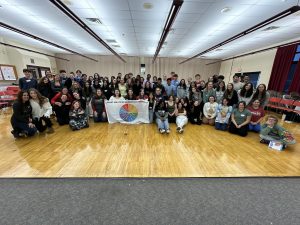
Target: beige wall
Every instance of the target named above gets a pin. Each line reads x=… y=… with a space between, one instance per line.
x=21 y=58
x=111 y=65
x=258 y=62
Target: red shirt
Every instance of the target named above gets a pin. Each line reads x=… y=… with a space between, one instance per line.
x=256 y=113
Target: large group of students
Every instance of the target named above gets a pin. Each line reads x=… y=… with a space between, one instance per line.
x=75 y=97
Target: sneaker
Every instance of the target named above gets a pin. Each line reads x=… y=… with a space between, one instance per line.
x=264 y=141
x=50 y=130
x=162 y=131
x=87 y=126
x=23 y=134
x=180 y=131
x=178 y=128
x=15 y=134
x=168 y=131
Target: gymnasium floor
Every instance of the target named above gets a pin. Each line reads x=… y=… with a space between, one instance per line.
x=118 y=150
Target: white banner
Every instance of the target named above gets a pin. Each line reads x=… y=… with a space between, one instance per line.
x=128 y=111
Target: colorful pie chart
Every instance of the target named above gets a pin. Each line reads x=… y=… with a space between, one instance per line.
x=128 y=112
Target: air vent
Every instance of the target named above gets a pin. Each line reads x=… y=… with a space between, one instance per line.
x=94 y=20
x=111 y=41
x=270 y=28
x=123 y=54
x=219 y=49
x=116 y=46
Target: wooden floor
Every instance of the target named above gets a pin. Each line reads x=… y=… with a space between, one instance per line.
x=118 y=150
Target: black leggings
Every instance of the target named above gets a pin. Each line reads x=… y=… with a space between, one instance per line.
x=39 y=123
x=243 y=131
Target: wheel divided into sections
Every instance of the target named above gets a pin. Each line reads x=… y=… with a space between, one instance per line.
x=128 y=112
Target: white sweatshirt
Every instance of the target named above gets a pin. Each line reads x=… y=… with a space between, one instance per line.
x=38 y=111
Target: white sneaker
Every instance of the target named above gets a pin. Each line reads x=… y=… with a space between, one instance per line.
x=168 y=131
x=162 y=131
x=180 y=131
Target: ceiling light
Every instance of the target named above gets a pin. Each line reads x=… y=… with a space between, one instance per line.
x=147 y=5
x=111 y=41
x=219 y=49
x=271 y=28
x=94 y=21
x=116 y=46
x=225 y=10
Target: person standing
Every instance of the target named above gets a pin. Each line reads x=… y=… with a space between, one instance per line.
x=27 y=82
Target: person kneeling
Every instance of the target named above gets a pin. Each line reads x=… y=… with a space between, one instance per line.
x=99 y=106
x=240 y=118
x=181 y=118
x=78 y=119
x=223 y=115
x=271 y=131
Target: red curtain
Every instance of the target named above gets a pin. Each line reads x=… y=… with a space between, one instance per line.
x=295 y=85
x=281 y=67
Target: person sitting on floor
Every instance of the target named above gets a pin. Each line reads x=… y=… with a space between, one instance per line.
x=41 y=111
x=161 y=114
x=223 y=115
x=181 y=118
x=195 y=113
x=21 y=119
x=240 y=118
x=61 y=108
x=210 y=111
x=99 y=106
x=258 y=114
x=78 y=119
x=271 y=131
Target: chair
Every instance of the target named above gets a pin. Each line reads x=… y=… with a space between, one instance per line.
x=273 y=103
x=286 y=105
x=7 y=97
x=13 y=89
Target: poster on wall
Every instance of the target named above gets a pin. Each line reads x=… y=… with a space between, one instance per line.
x=1 y=77
x=8 y=72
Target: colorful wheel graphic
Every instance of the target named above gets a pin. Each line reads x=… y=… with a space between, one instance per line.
x=128 y=112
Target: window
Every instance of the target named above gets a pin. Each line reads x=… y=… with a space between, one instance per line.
x=253 y=77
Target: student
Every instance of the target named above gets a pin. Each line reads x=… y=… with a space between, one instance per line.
x=262 y=95
x=169 y=88
x=161 y=114
x=147 y=88
x=41 y=111
x=142 y=95
x=271 y=131
x=56 y=84
x=21 y=119
x=181 y=117
x=61 y=108
x=96 y=85
x=246 y=93
x=197 y=80
x=237 y=85
x=27 y=82
x=130 y=95
x=195 y=113
x=240 y=118
x=64 y=91
x=158 y=95
x=195 y=95
x=171 y=107
x=117 y=96
x=257 y=116
x=122 y=88
x=78 y=97
x=231 y=95
x=98 y=106
x=220 y=90
x=151 y=106
x=208 y=91
x=136 y=87
x=44 y=87
x=76 y=88
x=223 y=114
x=78 y=119
x=182 y=89
x=210 y=111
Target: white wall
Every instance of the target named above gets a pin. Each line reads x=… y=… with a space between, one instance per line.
x=21 y=58
x=111 y=65
x=258 y=62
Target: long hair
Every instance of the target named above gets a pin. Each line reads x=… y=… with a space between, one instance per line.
x=20 y=96
x=263 y=95
x=223 y=88
x=227 y=92
x=41 y=82
x=40 y=97
x=182 y=85
x=245 y=93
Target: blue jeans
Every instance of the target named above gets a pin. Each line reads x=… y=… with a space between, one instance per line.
x=255 y=128
x=221 y=126
x=151 y=115
x=162 y=124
